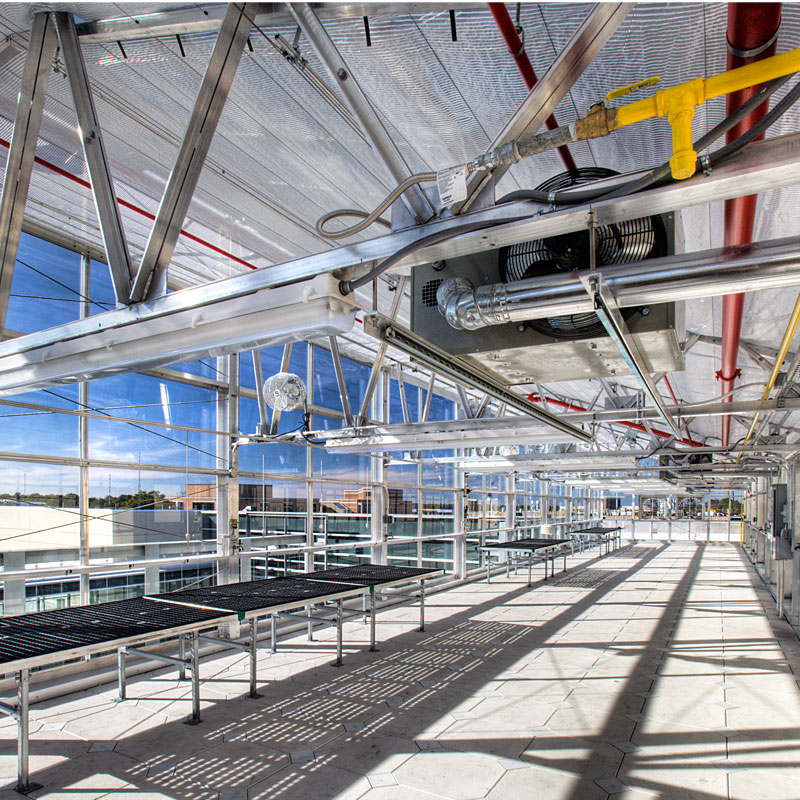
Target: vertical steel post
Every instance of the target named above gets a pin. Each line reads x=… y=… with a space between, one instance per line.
x=19 y=162
x=122 y=688
x=373 y=608
x=422 y=604
x=83 y=437
x=23 y=744
x=272 y=634
x=339 y=623
x=254 y=658
x=195 y=718
x=182 y=657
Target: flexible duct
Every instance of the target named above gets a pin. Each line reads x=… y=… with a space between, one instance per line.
x=766 y=265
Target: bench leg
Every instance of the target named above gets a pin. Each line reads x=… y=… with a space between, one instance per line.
x=121 y=673
x=254 y=658
x=339 y=609
x=422 y=605
x=372 y=610
x=24 y=785
x=195 y=668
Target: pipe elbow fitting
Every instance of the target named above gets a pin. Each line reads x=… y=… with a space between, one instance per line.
x=449 y=296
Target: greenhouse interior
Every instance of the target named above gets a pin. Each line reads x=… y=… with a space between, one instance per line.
x=400 y=401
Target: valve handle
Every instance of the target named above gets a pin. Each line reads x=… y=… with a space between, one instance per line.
x=632 y=87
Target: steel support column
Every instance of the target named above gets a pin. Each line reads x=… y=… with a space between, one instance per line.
x=150 y=279
x=361 y=107
x=83 y=438
x=105 y=198
x=19 y=166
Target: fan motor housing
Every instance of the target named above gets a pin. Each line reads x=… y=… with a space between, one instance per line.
x=517 y=353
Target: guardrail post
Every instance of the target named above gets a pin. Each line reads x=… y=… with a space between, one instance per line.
x=13 y=589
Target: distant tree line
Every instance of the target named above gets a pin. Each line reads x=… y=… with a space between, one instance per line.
x=142 y=499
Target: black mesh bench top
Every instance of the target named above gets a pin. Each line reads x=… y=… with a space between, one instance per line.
x=257 y=595
x=595 y=530
x=371 y=574
x=82 y=628
x=526 y=544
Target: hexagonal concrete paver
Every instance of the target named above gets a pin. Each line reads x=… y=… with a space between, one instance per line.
x=450 y=774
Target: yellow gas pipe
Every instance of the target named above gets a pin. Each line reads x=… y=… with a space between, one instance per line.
x=678 y=103
x=788 y=335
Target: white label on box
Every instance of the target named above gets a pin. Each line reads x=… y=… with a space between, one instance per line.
x=452 y=184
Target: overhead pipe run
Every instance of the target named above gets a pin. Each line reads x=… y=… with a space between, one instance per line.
x=516 y=47
x=752 y=36
x=570 y=406
x=765 y=265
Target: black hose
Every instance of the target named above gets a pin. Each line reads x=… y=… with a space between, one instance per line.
x=656 y=176
x=347 y=287
x=661 y=173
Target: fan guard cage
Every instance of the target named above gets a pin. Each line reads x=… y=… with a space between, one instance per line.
x=618 y=243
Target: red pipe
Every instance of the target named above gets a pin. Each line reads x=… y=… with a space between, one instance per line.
x=125 y=204
x=536 y=398
x=751 y=27
x=517 y=50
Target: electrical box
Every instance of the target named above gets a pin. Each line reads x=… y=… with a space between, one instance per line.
x=781 y=530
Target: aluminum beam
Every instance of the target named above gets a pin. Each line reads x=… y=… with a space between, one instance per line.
x=762 y=165
x=105 y=198
x=699 y=410
x=286 y=359
x=150 y=279
x=444 y=364
x=612 y=320
x=203 y=18
x=582 y=48
x=263 y=416
x=360 y=106
x=341 y=382
x=19 y=165
x=759 y=354
x=160 y=337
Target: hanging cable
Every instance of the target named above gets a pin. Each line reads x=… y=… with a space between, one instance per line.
x=373 y=216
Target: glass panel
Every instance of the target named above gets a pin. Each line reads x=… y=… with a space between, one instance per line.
x=45 y=290
x=342 y=466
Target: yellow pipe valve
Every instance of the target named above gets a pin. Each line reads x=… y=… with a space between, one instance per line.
x=677 y=105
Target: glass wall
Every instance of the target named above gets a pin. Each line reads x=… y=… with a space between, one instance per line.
x=159 y=467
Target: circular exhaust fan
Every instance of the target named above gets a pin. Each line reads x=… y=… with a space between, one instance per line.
x=620 y=243
x=285 y=391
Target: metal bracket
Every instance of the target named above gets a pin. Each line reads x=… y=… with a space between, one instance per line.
x=609 y=315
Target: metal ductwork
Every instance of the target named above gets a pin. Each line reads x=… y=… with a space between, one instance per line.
x=765 y=265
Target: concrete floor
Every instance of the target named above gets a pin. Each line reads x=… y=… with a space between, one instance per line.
x=658 y=672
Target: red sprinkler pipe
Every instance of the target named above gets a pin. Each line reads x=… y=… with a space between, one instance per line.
x=570 y=406
x=125 y=204
x=517 y=50
x=752 y=35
